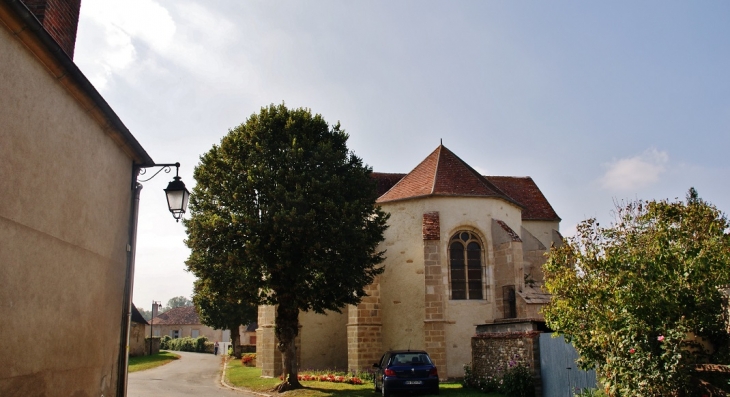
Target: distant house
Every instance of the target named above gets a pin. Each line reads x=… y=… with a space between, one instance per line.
x=68 y=170
x=137 y=334
x=248 y=334
x=181 y=322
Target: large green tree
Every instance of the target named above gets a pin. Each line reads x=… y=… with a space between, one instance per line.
x=284 y=206
x=634 y=297
x=223 y=307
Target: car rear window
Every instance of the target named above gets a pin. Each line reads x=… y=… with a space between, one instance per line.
x=411 y=359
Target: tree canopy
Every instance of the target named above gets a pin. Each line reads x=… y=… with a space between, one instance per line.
x=178 y=301
x=286 y=209
x=223 y=309
x=643 y=300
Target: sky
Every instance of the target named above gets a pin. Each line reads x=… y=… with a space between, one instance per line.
x=598 y=102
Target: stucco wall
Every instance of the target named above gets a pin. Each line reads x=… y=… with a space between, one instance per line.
x=542 y=230
x=402 y=284
x=137 y=346
x=65 y=190
x=323 y=340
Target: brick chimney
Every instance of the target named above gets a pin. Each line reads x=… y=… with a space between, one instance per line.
x=59 y=18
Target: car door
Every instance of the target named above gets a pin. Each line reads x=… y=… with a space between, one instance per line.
x=380 y=370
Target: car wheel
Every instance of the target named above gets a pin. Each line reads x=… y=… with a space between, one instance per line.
x=435 y=391
x=375 y=382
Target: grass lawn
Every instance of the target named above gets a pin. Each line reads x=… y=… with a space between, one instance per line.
x=141 y=363
x=250 y=378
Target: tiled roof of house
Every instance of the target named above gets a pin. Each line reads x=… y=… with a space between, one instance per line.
x=443 y=173
x=178 y=315
x=385 y=181
x=525 y=191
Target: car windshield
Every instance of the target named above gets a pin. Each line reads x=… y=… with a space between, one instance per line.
x=411 y=359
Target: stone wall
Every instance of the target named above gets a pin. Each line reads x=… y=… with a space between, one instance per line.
x=436 y=294
x=155 y=345
x=364 y=330
x=268 y=356
x=492 y=352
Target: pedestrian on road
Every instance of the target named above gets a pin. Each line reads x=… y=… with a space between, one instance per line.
x=215 y=348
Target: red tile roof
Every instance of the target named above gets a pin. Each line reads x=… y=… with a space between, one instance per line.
x=178 y=315
x=443 y=173
x=525 y=191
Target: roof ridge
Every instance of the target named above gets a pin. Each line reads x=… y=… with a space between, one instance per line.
x=436 y=171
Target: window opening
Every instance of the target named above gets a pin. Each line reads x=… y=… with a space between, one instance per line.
x=465 y=254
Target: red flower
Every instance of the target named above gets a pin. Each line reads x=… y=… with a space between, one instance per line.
x=632 y=350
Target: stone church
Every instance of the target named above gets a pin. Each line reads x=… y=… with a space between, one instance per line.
x=462 y=249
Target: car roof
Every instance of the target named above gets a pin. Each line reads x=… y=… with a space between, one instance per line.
x=406 y=351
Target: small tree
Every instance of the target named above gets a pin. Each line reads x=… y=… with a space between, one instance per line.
x=633 y=296
x=283 y=205
x=223 y=310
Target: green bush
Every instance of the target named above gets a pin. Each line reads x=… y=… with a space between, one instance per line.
x=517 y=381
x=165 y=342
x=588 y=392
x=186 y=344
x=486 y=384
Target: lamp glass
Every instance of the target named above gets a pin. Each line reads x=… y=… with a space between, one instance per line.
x=177 y=197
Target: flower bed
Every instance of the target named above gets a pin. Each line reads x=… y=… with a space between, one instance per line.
x=249 y=359
x=353 y=380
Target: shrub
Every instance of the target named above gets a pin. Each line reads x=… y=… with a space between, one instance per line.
x=186 y=344
x=165 y=342
x=247 y=358
x=517 y=381
x=486 y=384
x=588 y=392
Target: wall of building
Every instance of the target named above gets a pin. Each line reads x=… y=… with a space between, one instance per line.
x=323 y=340
x=137 y=345
x=410 y=305
x=403 y=283
x=542 y=230
x=65 y=193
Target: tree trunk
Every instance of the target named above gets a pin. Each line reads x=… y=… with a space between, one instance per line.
x=287 y=328
x=236 y=342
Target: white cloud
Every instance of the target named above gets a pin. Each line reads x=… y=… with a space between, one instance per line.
x=113 y=27
x=635 y=172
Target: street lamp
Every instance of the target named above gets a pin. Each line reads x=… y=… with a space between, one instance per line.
x=177 y=196
x=176 y=192
x=177 y=201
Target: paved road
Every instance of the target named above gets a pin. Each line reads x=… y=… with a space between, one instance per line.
x=194 y=374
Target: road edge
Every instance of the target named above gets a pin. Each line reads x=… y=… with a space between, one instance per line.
x=224 y=383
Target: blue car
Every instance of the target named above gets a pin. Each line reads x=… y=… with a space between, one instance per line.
x=401 y=371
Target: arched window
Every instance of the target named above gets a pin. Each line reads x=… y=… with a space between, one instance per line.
x=465 y=263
